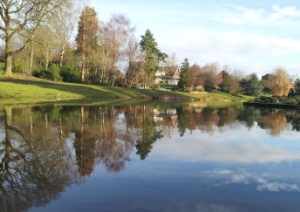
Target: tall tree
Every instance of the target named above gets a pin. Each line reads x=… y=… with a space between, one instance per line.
x=185 y=75
x=21 y=18
x=152 y=56
x=117 y=44
x=86 y=38
x=63 y=24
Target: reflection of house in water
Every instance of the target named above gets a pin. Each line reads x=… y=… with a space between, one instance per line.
x=169 y=75
x=163 y=115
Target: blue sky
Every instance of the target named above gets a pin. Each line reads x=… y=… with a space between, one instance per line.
x=249 y=36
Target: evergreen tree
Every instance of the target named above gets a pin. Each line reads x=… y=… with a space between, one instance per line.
x=152 y=56
x=86 y=38
x=185 y=75
x=297 y=86
x=251 y=85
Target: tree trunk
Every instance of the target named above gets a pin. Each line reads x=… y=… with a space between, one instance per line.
x=83 y=68
x=8 y=65
x=62 y=54
x=47 y=57
x=31 y=57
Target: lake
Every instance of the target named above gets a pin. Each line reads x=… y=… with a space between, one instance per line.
x=149 y=157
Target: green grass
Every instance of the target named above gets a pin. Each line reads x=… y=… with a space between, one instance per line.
x=24 y=89
x=1 y=68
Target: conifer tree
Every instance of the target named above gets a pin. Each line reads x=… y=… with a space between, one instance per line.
x=86 y=38
x=152 y=56
x=185 y=74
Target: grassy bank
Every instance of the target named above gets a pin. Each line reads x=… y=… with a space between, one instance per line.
x=24 y=89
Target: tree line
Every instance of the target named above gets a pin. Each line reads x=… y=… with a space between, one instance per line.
x=212 y=77
x=62 y=41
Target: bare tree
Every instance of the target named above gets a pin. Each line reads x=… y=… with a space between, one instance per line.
x=197 y=76
x=21 y=18
x=171 y=60
x=117 y=44
x=132 y=49
x=211 y=77
x=63 y=24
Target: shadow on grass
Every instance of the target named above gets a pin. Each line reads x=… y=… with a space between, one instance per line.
x=94 y=91
x=78 y=89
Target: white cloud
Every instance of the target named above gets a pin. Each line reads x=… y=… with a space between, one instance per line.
x=243 y=177
x=242 y=15
x=281 y=12
x=278 y=187
x=248 y=38
x=240 y=50
x=221 y=148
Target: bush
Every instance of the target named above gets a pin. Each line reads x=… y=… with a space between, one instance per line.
x=155 y=86
x=55 y=71
x=52 y=74
x=43 y=74
x=199 y=88
x=69 y=75
x=188 y=89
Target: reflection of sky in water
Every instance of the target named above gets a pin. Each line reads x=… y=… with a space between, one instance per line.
x=232 y=145
x=230 y=170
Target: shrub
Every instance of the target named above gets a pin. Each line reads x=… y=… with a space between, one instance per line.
x=52 y=74
x=69 y=75
x=55 y=71
x=199 y=88
x=43 y=74
x=188 y=89
x=155 y=86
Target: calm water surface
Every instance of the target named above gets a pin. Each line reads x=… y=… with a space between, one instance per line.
x=149 y=158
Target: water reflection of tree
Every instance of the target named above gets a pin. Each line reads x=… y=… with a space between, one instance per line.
x=274 y=122
x=206 y=119
x=34 y=167
x=141 y=118
x=97 y=140
x=37 y=161
x=113 y=146
x=249 y=116
x=293 y=118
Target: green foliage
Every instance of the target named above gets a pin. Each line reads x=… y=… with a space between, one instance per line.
x=297 y=86
x=2 y=68
x=18 y=65
x=251 y=85
x=149 y=135
x=267 y=100
x=68 y=74
x=185 y=74
x=43 y=74
x=155 y=86
x=55 y=71
x=52 y=74
x=153 y=56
